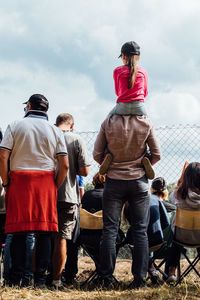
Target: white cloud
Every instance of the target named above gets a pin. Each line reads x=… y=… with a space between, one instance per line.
x=67 y=92
x=68 y=49
x=173 y=108
x=11 y=23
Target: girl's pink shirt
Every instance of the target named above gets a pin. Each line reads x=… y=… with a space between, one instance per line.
x=139 y=90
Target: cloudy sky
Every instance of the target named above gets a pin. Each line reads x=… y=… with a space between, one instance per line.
x=67 y=50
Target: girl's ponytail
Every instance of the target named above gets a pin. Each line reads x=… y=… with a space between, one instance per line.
x=131 y=51
x=132 y=64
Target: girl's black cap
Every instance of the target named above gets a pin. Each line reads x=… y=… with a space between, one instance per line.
x=130 y=48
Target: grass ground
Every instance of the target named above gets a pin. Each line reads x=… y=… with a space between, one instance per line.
x=187 y=290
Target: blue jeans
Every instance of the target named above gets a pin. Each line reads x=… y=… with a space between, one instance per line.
x=18 y=252
x=116 y=192
x=7 y=258
x=30 y=240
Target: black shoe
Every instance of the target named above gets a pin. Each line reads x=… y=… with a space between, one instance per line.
x=15 y=284
x=71 y=282
x=27 y=282
x=137 y=285
x=41 y=286
x=104 y=283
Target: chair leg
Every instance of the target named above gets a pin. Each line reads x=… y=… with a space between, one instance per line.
x=92 y=276
x=188 y=269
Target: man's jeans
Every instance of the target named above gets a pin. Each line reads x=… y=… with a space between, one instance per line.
x=30 y=241
x=18 y=257
x=116 y=192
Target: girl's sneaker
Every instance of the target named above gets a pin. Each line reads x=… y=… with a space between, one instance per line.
x=105 y=164
x=148 y=168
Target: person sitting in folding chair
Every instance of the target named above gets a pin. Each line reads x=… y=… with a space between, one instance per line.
x=158 y=226
x=186 y=196
x=159 y=229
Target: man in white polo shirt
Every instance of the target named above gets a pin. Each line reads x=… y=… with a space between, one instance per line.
x=35 y=149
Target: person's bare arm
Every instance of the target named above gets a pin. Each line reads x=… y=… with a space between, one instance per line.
x=4 y=156
x=180 y=181
x=83 y=171
x=63 y=166
x=82 y=191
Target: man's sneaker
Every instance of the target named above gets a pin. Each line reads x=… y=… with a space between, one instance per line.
x=171 y=279
x=148 y=168
x=105 y=164
x=137 y=285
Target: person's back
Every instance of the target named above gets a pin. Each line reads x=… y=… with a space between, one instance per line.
x=92 y=200
x=139 y=90
x=35 y=144
x=158 y=221
x=69 y=191
x=127 y=138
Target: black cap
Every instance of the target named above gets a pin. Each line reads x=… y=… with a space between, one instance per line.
x=159 y=184
x=38 y=100
x=130 y=48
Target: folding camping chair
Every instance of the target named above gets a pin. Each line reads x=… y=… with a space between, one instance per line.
x=91 y=226
x=90 y=222
x=160 y=254
x=188 y=220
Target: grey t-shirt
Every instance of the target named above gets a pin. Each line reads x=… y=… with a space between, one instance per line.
x=78 y=157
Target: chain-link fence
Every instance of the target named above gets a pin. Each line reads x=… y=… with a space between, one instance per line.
x=178 y=144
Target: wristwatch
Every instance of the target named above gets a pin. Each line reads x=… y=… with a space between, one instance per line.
x=6 y=185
